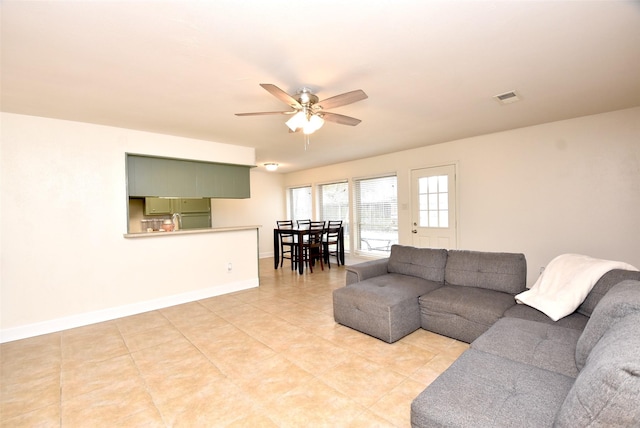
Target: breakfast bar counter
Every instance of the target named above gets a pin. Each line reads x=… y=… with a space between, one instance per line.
x=190 y=231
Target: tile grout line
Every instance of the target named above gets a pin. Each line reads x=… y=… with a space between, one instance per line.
x=140 y=376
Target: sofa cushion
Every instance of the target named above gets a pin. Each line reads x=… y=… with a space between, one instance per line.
x=605 y=393
x=505 y=272
x=575 y=321
x=484 y=390
x=621 y=300
x=463 y=313
x=541 y=345
x=603 y=285
x=396 y=286
x=425 y=263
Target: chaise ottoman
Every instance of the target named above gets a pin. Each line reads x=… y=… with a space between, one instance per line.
x=386 y=306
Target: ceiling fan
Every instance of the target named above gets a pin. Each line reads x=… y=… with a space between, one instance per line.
x=308 y=113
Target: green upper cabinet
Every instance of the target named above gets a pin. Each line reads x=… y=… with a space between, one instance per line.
x=162 y=206
x=151 y=176
x=193 y=205
x=224 y=181
x=153 y=206
x=182 y=178
x=147 y=176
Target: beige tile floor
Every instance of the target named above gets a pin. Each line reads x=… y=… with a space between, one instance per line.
x=266 y=357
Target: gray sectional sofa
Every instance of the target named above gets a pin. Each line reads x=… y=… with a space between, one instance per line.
x=456 y=293
x=522 y=369
x=523 y=373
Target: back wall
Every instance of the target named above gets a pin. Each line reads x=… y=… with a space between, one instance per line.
x=564 y=187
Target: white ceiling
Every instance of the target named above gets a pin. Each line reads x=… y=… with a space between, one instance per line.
x=430 y=68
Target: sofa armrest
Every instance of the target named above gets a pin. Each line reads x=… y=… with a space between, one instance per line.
x=362 y=271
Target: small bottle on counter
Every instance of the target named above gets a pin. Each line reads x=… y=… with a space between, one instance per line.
x=175 y=218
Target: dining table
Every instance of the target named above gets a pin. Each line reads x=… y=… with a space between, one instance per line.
x=299 y=232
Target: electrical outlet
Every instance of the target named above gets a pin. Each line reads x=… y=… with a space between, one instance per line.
x=541 y=270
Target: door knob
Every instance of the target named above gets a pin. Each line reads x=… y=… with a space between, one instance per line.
x=414 y=231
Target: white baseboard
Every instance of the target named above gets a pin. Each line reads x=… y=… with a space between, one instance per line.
x=65 y=323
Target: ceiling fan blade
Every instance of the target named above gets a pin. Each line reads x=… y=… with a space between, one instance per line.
x=343 y=99
x=340 y=118
x=264 y=113
x=281 y=95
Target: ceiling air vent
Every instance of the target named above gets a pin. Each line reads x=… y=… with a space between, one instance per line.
x=507 y=97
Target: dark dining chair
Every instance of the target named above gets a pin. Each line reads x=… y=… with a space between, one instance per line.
x=312 y=247
x=287 y=243
x=315 y=225
x=311 y=225
x=303 y=223
x=332 y=239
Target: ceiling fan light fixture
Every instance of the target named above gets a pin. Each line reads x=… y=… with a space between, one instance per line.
x=314 y=123
x=271 y=166
x=308 y=112
x=298 y=120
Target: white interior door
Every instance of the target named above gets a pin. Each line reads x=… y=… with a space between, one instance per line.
x=433 y=204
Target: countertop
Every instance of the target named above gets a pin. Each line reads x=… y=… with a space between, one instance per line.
x=190 y=231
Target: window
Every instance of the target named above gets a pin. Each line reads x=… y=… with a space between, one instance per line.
x=376 y=215
x=333 y=200
x=434 y=201
x=300 y=203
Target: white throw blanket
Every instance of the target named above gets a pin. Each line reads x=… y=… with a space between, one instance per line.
x=566 y=282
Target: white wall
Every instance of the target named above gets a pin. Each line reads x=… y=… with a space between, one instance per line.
x=569 y=186
x=264 y=208
x=65 y=261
